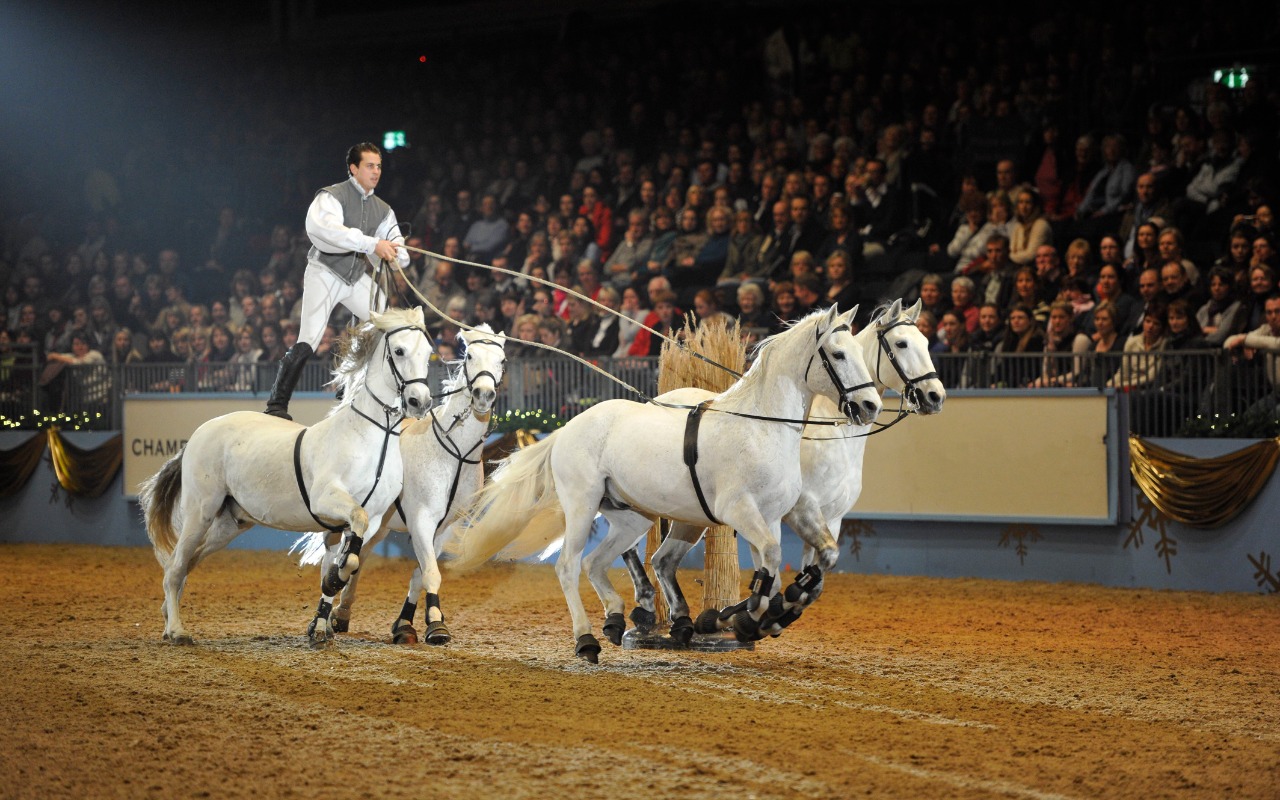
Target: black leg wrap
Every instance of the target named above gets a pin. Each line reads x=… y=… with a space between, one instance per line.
x=643 y=617
x=778 y=617
x=588 y=648
x=804 y=584
x=408 y=610
x=682 y=629
x=707 y=622
x=614 y=626
x=746 y=628
x=340 y=624
x=761 y=583
x=322 y=613
x=433 y=601
x=332 y=584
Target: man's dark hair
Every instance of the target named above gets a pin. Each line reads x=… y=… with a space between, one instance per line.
x=357 y=152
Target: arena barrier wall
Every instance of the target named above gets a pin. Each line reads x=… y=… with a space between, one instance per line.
x=1129 y=545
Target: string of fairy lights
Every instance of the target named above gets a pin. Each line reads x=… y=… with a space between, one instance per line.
x=515 y=419
x=82 y=420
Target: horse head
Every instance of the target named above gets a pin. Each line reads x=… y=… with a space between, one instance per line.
x=483 y=367
x=407 y=346
x=847 y=372
x=902 y=360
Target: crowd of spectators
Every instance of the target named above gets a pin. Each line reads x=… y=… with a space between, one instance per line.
x=1051 y=183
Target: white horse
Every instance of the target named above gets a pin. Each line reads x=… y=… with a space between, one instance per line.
x=831 y=464
x=248 y=468
x=631 y=461
x=442 y=471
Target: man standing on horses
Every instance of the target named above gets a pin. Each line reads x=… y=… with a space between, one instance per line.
x=347 y=226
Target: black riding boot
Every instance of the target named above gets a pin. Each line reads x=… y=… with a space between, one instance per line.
x=291 y=367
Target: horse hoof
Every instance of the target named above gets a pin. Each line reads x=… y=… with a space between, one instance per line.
x=437 y=633
x=682 y=629
x=340 y=624
x=643 y=618
x=588 y=649
x=707 y=622
x=745 y=628
x=614 y=626
x=319 y=633
x=403 y=632
x=181 y=640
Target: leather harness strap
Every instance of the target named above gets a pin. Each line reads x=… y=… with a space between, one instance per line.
x=691 y=455
x=388 y=432
x=302 y=486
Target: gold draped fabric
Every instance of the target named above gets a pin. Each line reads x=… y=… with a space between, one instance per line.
x=1202 y=492
x=16 y=465
x=87 y=473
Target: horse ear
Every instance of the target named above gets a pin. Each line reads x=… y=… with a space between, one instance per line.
x=894 y=311
x=913 y=313
x=847 y=319
x=417 y=314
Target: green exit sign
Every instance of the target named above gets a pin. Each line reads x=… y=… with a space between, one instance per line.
x=393 y=139
x=1234 y=78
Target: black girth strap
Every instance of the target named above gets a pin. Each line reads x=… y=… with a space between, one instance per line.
x=691 y=456
x=302 y=487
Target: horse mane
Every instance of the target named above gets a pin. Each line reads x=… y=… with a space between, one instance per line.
x=788 y=346
x=356 y=347
x=881 y=309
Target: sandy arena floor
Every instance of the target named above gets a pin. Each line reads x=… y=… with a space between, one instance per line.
x=888 y=687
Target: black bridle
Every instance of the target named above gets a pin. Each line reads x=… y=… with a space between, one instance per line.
x=910 y=390
x=469 y=379
x=911 y=393
x=402 y=383
x=846 y=403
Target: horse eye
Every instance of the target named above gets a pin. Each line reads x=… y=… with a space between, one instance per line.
x=399 y=351
x=902 y=345
x=838 y=355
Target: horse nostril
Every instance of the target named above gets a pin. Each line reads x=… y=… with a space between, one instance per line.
x=413 y=401
x=935 y=398
x=869 y=407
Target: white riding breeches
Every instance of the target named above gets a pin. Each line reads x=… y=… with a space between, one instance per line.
x=322 y=291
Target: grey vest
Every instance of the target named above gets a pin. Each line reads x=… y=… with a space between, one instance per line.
x=359 y=212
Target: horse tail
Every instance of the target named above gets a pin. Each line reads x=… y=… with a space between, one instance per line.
x=517 y=513
x=310 y=547
x=159 y=496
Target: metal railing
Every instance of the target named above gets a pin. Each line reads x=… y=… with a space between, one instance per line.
x=1169 y=393
x=19 y=380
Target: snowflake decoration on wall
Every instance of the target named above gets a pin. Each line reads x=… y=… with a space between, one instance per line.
x=1020 y=534
x=1263 y=575
x=1150 y=517
x=852 y=530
